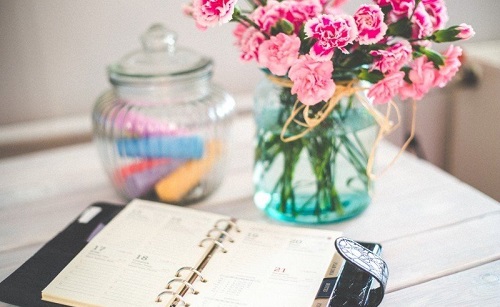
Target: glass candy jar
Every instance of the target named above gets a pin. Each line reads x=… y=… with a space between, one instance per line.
x=162 y=130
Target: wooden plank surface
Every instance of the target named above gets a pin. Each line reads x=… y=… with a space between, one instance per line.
x=432 y=226
x=442 y=251
x=476 y=287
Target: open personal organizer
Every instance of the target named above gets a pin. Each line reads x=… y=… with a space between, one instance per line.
x=153 y=254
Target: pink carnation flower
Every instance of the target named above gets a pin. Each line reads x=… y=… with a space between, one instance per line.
x=402 y=7
x=384 y=90
x=249 y=41
x=451 y=66
x=331 y=32
x=209 y=13
x=422 y=23
x=466 y=31
x=382 y=2
x=188 y=10
x=337 y=3
x=296 y=12
x=267 y=16
x=279 y=53
x=422 y=76
x=436 y=9
x=238 y=31
x=370 y=22
x=393 y=58
x=312 y=80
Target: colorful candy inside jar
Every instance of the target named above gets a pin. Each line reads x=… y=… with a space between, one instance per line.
x=162 y=130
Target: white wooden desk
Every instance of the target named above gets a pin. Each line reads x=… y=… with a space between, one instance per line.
x=440 y=237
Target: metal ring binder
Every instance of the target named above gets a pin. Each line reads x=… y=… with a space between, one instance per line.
x=215 y=241
x=229 y=222
x=221 y=232
x=174 y=294
x=178 y=273
x=187 y=283
x=190 y=286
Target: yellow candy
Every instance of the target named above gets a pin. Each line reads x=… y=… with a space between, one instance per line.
x=175 y=186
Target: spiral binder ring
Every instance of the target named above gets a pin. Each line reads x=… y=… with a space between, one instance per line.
x=187 y=284
x=215 y=242
x=195 y=271
x=229 y=222
x=174 y=294
x=221 y=232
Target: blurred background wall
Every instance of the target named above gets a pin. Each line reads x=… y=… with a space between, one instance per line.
x=54 y=54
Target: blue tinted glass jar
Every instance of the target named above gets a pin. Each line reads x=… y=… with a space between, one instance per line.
x=320 y=177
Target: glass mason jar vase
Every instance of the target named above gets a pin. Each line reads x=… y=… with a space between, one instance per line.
x=320 y=177
x=162 y=130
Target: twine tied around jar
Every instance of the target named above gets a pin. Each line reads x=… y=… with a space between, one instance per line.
x=342 y=90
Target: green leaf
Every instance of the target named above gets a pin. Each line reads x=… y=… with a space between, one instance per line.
x=275 y=30
x=432 y=55
x=401 y=28
x=306 y=45
x=286 y=26
x=302 y=33
x=372 y=76
x=282 y=26
x=406 y=70
x=355 y=59
x=386 y=9
x=446 y=35
x=236 y=14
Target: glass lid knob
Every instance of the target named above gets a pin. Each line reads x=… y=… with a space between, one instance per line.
x=159 y=39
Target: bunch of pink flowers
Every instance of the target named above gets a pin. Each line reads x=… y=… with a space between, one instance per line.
x=316 y=45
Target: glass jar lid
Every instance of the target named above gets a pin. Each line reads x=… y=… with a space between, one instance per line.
x=159 y=61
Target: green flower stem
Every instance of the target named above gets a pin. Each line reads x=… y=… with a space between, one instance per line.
x=357 y=149
x=361 y=146
x=322 y=151
x=335 y=139
x=245 y=20
x=358 y=161
x=267 y=150
x=360 y=169
x=291 y=155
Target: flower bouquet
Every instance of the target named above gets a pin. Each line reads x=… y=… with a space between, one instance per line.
x=317 y=112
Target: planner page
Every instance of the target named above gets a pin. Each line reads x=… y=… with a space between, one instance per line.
x=267 y=265
x=129 y=262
